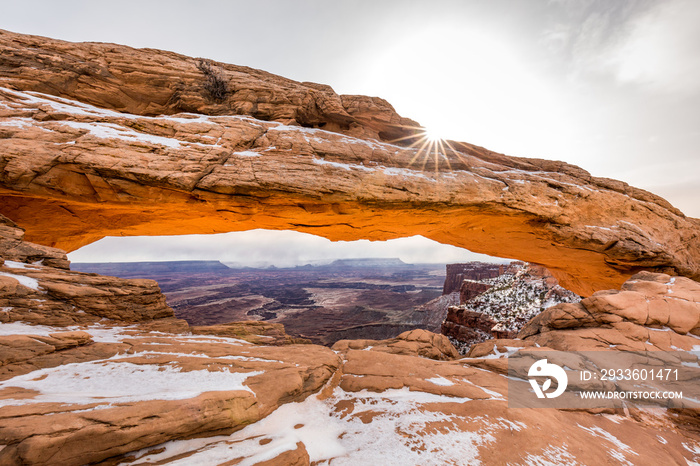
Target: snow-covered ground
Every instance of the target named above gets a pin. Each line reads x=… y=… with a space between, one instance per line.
x=401 y=432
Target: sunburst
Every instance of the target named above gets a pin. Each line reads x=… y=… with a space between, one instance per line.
x=431 y=147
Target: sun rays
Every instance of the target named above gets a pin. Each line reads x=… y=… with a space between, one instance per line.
x=431 y=148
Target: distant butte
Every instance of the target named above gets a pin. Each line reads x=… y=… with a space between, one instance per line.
x=101 y=139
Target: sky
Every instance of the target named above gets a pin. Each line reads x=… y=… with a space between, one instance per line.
x=264 y=248
x=611 y=86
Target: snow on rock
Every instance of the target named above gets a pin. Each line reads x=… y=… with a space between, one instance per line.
x=443 y=382
x=116 y=381
x=399 y=433
x=513 y=299
x=24 y=281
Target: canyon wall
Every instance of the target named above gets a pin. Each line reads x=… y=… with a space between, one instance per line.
x=455 y=274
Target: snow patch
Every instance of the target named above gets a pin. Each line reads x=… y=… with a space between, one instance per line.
x=551 y=456
x=344 y=166
x=24 y=281
x=112 y=131
x=622 y=448
x=340 y=438
x=247 y=153
x=20 y=328
x=18 y=122
x=394 y=171
x=117 y=382
x=441 y=381
x=15 y=265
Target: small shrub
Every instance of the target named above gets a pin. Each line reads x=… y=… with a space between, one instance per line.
x=214 y=85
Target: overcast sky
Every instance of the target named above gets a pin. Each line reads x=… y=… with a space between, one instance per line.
x=611 y=86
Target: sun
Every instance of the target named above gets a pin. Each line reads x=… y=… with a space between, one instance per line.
x=433 y=135
x=432 y=149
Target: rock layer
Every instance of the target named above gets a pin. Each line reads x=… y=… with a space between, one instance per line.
x=121 y=380
x=32 y=290
x=154 y=82
x=650 y=312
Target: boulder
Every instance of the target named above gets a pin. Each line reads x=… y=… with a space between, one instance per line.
x=413 y=342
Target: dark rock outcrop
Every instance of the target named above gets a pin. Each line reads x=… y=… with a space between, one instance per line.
x=500 y=307
x=455 y=274
x=471 y=289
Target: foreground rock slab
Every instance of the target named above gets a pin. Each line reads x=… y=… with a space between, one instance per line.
x=405 y=410
x=151 y=389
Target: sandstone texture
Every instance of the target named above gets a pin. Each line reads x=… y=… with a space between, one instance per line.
x=151 y=390
x=414 y=342
x=91 y=144
x=253 y=332
x=650 y=312
x=124 y=394
x=96 y=369
x=154 y=82
x=37 y=287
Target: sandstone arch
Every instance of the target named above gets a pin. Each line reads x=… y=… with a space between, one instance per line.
x=71 y=173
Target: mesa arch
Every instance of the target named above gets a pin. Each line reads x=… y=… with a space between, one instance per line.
x=75 y=167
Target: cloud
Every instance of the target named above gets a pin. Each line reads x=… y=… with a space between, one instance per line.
x=652 y=43
x=268 y=247
x=661 y=50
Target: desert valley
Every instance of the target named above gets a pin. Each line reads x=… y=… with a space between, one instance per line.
x=351 y=362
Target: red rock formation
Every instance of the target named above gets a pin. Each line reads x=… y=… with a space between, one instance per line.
x=370 y=384
x=32 y=290
x=471 y=289
x=414 y=342
x=650 y=312
x=109 y=393
x=521 y=292
x=72 y=173
x=152 y=82
x=263 y=333
x=470 y=326
x=455 y=274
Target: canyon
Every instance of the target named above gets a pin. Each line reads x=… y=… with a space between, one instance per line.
x=102 y=139
x=362 y=298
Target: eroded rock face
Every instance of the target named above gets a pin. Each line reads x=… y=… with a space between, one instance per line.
x=153 y=82
x=109 y=374
x=650 y=312
x=45 y=292
x=385 y=408
x=73 y=173
x=264 y=333
x=13 y=248
x=139 y=396
x=501 y=307
x=105 y=360
x=455 y=274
